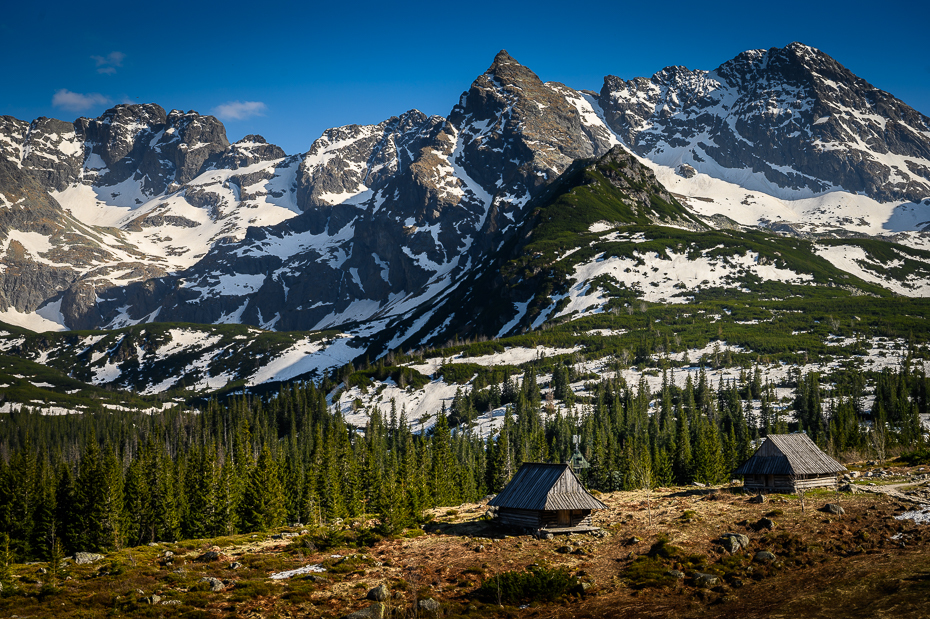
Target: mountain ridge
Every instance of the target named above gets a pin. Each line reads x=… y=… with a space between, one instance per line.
x=374 y=221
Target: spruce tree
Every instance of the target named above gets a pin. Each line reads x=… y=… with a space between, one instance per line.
x=683 y=464
x=263 y=501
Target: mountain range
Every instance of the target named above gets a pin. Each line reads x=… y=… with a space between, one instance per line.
x=530 y=202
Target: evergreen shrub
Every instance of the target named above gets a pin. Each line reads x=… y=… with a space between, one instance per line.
x=536 y=584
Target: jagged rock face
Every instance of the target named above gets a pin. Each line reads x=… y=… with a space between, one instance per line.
x=142 y=142
x=32 y=268
x=137 y=156
x=49 y=149
x=346 y=162
x=44 y=251
x=391 y=212
x=167 y=221
x=188 y=141
x=248 y=151
x=795 y=116
x=517 y=130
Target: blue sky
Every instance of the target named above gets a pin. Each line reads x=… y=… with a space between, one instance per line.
x=289 y=71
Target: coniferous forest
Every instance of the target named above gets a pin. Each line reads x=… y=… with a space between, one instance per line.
x=101 y=481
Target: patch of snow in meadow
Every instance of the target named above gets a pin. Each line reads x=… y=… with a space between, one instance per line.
x=510 y=356
x=420 y=405
x=854 y=260
x=919 y=516
x=306 y=356
x=666 y=279
x=105 y=374
x=185 y=340
x=307 y=569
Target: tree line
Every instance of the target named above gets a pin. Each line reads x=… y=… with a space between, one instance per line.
x=104 y=480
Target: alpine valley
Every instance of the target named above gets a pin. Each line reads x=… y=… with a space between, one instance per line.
x=204 y=341
x=780 y=175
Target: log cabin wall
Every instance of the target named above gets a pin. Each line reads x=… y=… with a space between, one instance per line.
x=524 y=518
x=787 y=483
x=546 y=519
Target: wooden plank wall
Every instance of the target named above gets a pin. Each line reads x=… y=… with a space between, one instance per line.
x=529 y=519
x=784 y=483
x=520 y=517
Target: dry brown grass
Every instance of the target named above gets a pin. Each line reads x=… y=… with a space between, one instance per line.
x=825 y=565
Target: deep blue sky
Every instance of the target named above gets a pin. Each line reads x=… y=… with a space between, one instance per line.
x=297 y=69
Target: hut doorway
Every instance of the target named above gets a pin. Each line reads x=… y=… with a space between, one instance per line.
x=564 y=518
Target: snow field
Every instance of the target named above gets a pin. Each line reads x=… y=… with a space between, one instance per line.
x=30 y=320
x=306 y=356
x=854 y=259
x=666 y=280
x=421 y=406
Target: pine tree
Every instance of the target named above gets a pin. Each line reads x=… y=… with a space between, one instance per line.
x=441 y=470
x=708 y=456
x=263 y=501
x=683 y=464
x=19 y=499
x=66 y=514
x=100 y=500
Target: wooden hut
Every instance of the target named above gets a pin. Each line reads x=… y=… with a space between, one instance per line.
x=788 y=463
x=546 y=496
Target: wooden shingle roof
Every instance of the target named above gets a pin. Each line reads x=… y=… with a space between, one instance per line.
x=539 y=486
x=789 y=454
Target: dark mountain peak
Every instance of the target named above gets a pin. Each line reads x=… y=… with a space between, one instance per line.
x=503 y=58
x=796 y=64
x=508 y=72
x=145 y=113
x=249 y=150
x=252 y=138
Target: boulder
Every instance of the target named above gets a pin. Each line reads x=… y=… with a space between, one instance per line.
x=215 y=584
x=765 y=523
x=833 y=508
x=235 y=565
x=759 y=498
x=581 y=588
x=730 y=544
x=85 y=558
x=764 y=556
x=705 y=580
x=210 y=555
x=379 y=593
x=675 y=574
x=564 y=549
x=733 y=542
x=375 y=611
x=429 y=605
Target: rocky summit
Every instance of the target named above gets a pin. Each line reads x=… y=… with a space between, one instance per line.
x=790 y=121
x=144 y=215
